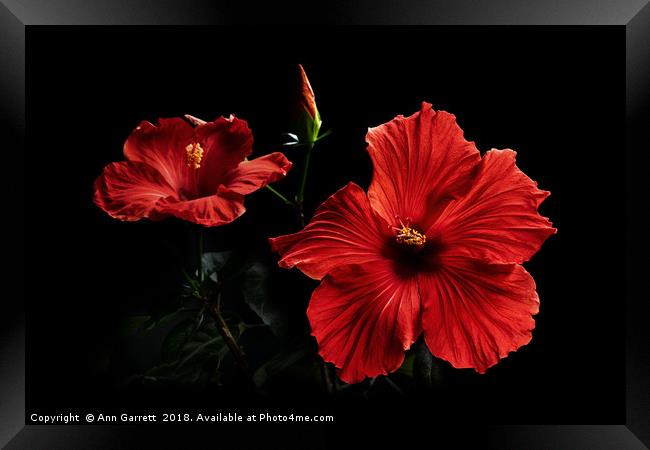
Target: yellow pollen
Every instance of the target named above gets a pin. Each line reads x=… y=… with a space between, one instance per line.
x=194 y=154
x=409 y=236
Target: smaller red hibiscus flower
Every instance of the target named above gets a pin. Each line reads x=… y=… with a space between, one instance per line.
x=434 y=247
x=199 y=174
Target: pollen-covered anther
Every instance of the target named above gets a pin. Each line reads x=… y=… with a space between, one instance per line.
x=194 y=155
x=409 y=236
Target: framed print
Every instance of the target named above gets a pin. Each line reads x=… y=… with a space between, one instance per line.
x=420 y=226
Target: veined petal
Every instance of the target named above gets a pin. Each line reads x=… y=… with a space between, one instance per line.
x=497 y=219
x=344 y=230
x=251 y=175
x=130 y=190
x=420 y=163
x=162 y=147
x=218 y=209
x=475 y=313
x=364 y=317
x=226 y=142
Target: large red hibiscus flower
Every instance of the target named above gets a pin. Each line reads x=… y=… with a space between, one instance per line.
x=434 y=247
x=199 y=174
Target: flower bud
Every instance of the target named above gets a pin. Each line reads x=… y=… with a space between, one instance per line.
x=308 y=120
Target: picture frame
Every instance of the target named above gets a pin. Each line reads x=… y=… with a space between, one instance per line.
x=16 y=18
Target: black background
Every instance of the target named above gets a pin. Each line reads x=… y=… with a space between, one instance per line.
x=555 y=95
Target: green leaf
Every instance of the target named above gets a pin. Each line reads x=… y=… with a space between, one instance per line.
x=324 y=135
x=191 y=354
x=133 y=324
x=292 y=139
x=165 y=370
x=176 y=340
x=256 y=296
x=199 y=350
x=213 y=262
x=161 y=318
x=277 y=364
x=407 y=366
x=242 y=326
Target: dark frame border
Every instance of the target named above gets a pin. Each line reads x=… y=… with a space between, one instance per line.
x=634 y=15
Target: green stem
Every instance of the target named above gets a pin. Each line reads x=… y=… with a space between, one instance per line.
x=427 y=371
x=227 y=336
x=325 y=375
x=305 y=171
x=215 y=313
x=199 y=240
x=333 y=378
x=300 y=198
x=280 y=196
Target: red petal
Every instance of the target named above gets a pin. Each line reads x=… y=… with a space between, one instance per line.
x=364 y=317
x=344 y=230
x=497 y=219
x=420 y=163
x=249 y=176
x=130 y=190
x=476 y=313
x=163 y=148
x=226 y=142
x=214 y=210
